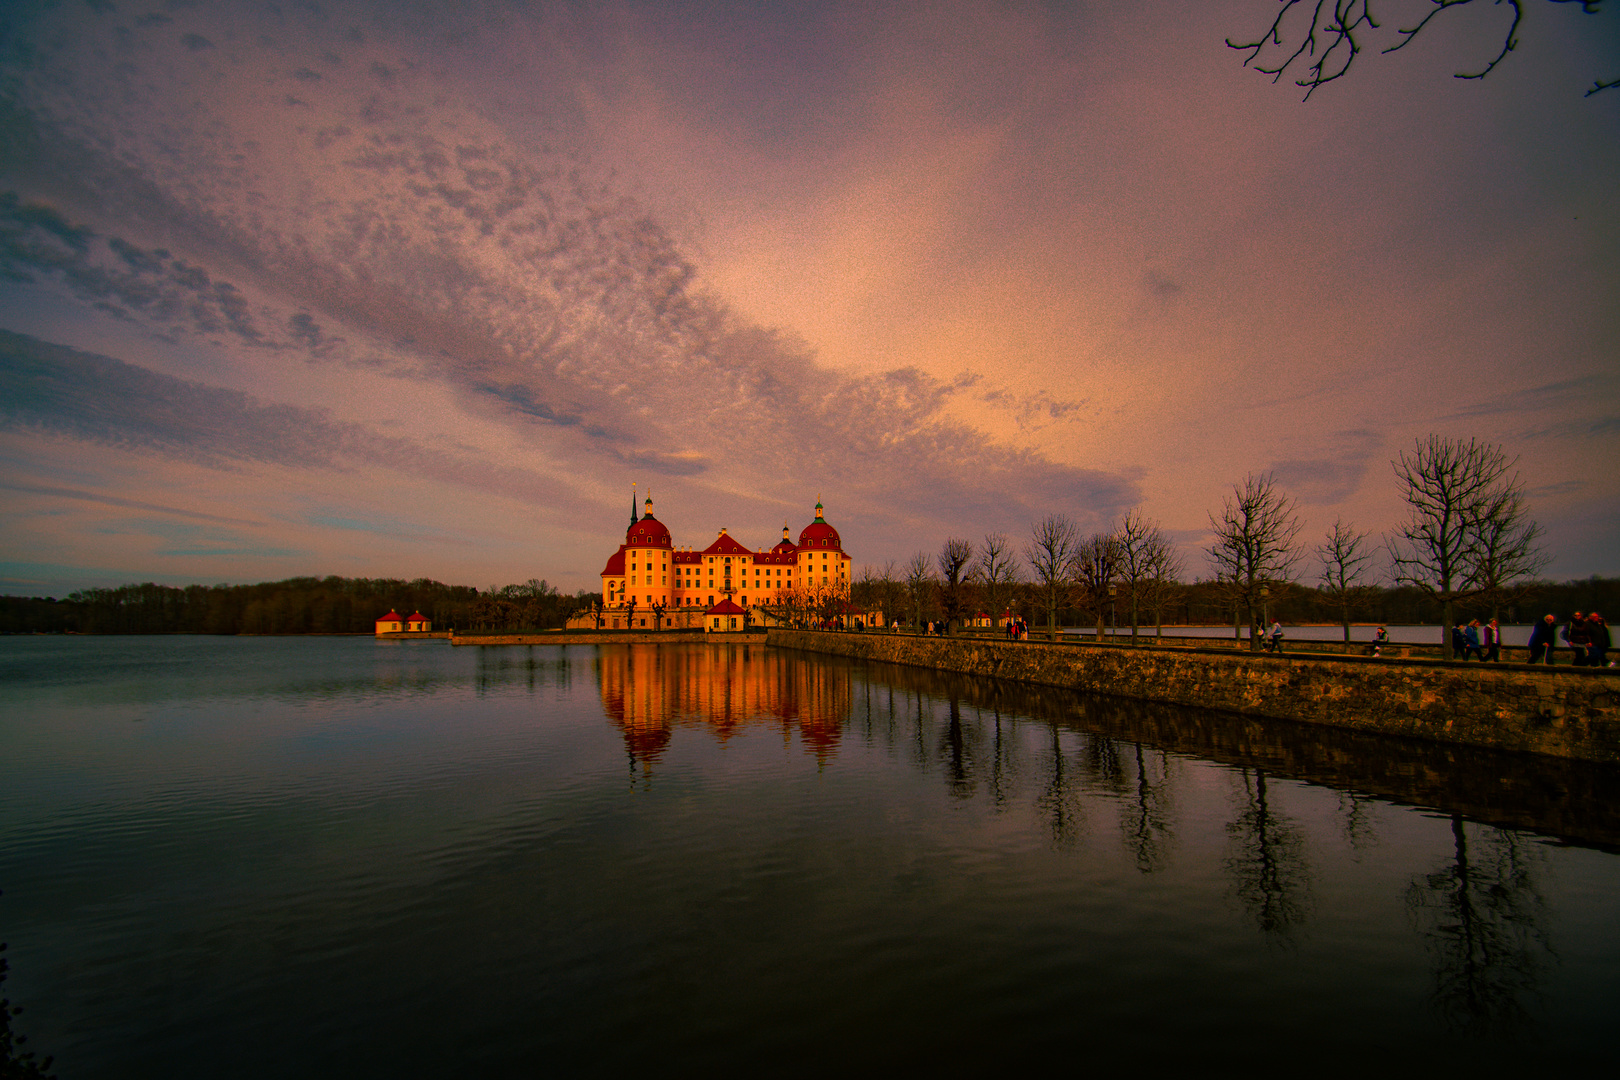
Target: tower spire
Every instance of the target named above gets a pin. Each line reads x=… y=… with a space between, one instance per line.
x=633 y=518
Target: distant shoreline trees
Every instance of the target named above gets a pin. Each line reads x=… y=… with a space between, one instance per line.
x=330 y=605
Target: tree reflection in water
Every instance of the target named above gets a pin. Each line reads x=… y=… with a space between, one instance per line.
x=957 y=754
x=1481 y=919
x=1061 y=801
x=1270 y=873
x=1357 y=821
x=1144 y=819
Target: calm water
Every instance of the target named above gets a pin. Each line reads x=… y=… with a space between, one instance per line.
x=1404 y=634
x=312 y=857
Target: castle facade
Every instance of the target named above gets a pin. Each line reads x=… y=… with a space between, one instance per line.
x=649 y=583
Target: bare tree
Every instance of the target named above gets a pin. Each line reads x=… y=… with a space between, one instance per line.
x=1344 y=569
x=1254 y=544
x=1458 y=494
x=954 y=559
x=1050 y=552
x=996 y=571
x=919 y=584
x=1139 y=543
x=1096 y=569
x=1509 y=551
x=1328 y=35
x=1163 y=584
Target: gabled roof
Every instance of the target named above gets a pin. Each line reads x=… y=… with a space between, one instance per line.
x=725 y=607
x=725 y=545
x=392 y=616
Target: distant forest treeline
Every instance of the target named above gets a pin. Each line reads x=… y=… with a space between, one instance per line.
x=330 y=605
x=1209 y=603
x=335 y=605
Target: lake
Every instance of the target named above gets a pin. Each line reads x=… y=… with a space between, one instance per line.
x=1406 y=634
x=338 y=856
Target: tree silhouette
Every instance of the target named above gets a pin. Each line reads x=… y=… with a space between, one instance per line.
x=1328 y=35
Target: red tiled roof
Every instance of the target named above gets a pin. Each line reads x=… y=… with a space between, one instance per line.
x=725 y=545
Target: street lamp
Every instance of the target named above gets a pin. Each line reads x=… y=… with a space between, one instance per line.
x=1265 y=603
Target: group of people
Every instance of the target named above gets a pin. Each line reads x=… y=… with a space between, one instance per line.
x=1586 y=636
x=1474 y=638
x=1017 y=629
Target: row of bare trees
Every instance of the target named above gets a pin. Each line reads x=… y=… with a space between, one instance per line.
x=1466 y=536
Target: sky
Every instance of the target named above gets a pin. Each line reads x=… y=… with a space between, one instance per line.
x=421 y=290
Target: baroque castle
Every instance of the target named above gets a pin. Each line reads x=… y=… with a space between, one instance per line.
x=651 y=584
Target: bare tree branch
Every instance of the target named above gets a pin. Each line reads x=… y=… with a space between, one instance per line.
x=1096 y=570
x=1139 y=542
x=1466 y=530
x=1050 y=553
x=1255 y=543
x=919 y=584
x=1336 y=32
x=1344 y=568
x=996 y=571
x=954 y=557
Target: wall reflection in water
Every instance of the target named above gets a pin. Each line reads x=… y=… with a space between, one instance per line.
x=1087 y=767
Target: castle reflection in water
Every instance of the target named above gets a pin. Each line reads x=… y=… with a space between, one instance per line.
x=649 y=690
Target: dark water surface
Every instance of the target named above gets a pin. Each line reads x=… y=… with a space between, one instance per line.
x=334 y=857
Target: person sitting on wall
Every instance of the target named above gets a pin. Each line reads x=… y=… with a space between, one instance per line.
x=1380 y=639
x=1543 y=639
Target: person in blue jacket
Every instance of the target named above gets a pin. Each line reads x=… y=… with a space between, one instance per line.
x=1544 y=639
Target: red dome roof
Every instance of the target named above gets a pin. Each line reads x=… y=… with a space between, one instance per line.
x=817 y=531
x=648 y=532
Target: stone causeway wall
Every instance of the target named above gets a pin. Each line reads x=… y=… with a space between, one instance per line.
x=1564 y=712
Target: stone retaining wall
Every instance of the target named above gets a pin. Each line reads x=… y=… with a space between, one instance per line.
x=1565 y=712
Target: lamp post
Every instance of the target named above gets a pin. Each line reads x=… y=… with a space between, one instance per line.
x=1265 y=604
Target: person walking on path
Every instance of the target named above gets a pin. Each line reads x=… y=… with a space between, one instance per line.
x=1543 y=639
x=1493 y=641
x=1459 y=643
x=1471 y=637
x=1274 y=637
